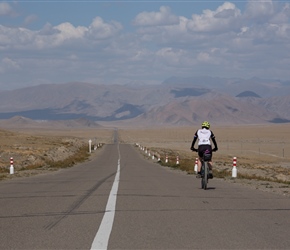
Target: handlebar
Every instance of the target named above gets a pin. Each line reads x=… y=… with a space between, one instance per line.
x=195 y=150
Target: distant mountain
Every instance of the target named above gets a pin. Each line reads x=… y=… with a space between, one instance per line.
x=182 y=92
x=248 y=94
x=217 y=108
x=231 y=86
x=177 y=102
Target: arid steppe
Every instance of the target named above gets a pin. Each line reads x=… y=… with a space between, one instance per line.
x=262 y=151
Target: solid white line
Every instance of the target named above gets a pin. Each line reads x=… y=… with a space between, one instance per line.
x=102 y=237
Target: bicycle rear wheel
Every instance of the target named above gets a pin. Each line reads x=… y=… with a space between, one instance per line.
x=203 y=185
x=205 y=175
x=202 y=171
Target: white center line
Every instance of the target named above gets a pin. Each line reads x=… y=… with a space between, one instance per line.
x=102 y=237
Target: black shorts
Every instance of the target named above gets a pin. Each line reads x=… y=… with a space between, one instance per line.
x=202 y=148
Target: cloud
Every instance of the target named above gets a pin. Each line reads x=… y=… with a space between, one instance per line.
x=260 y=10
x=101 y=30
x=66 y=31
x=163 y=17
x=224 y=41
x=170 y=56
x=224 y=18
x=6 y=9
x=8 y=64
x=55 y=36
x=30 y=19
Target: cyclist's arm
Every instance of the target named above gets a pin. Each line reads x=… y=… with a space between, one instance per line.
x=214 y=142
x=194 y=140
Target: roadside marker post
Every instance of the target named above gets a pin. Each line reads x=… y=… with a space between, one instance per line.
x=177 y=160
x=11 y=166
x=195 y=166
x=166 y=159
x=90 y=145
x=234 y=170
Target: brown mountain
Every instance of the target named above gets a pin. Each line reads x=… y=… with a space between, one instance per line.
x=165 y=104
x=218 y=108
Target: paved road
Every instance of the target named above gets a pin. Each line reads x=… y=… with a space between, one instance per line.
x=155 y=208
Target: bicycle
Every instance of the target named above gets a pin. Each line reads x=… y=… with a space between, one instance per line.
x=205 y=169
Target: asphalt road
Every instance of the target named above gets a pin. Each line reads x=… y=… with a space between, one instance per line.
x=155 y=208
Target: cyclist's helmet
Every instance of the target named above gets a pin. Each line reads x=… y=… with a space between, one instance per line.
x=205 y=124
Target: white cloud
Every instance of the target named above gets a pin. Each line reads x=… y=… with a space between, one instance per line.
x=6 y=9
x=67 y=32
x=101 y=30
x=203 y=56
x=163 y=17
x=54 y=36
x=259 y=9
x=224 y=18
x=170 y=56
x=224 y=41
x=15 y=38
x=282 y=16
x=8 y=64
x=30 y=19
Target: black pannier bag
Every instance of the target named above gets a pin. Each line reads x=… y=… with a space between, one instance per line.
x=207 y=156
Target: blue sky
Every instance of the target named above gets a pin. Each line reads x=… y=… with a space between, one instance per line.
x=141 y=42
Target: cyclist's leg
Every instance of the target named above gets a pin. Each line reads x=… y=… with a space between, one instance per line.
x=198 y=164
x=198 y=167
x=200 y=151
x=210 y=163
x=210 y=175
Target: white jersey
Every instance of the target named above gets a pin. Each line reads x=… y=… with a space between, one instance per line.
x=204 y=136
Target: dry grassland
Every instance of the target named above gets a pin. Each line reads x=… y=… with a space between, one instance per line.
x=36 y=151
x=253 y=143
x=100 y=135
x=262 y=151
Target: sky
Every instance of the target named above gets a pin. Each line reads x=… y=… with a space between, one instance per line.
x=141 y=42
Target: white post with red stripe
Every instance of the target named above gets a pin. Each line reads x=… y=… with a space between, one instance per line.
x=177 y=160
x=11 y=166
x=166 y=159
x=195 y=166
x=90 y=146
x=234 y=170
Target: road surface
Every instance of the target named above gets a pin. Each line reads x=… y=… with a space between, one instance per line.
x=119 y=200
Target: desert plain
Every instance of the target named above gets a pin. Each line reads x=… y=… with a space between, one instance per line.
x=262 y=151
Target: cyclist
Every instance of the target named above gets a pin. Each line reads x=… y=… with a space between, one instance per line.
x=204 y=136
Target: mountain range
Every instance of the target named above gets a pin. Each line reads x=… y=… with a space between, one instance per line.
x=178 y=101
